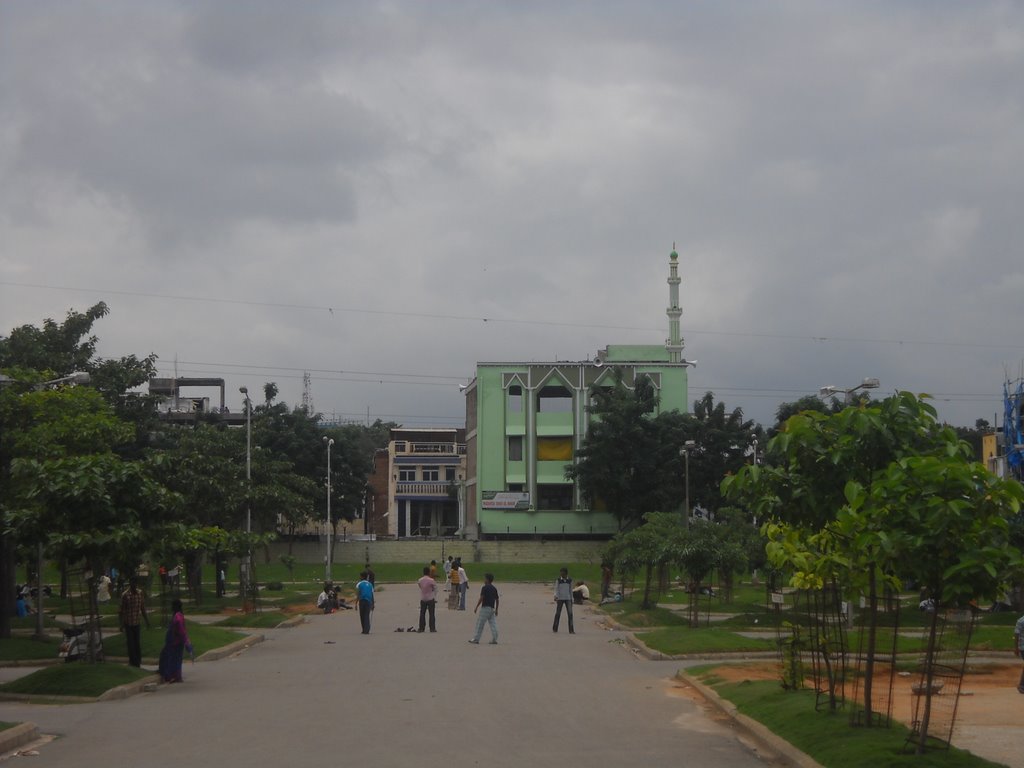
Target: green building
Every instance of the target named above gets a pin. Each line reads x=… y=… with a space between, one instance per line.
x=525 y=423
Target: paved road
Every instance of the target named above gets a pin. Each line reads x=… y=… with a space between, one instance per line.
x=323 y=694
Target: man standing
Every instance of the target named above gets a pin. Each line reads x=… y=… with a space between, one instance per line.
x=463 y=585
x=1018 y=648
x=487 y=605
x=563 y=597
x=132 y=612
x=428 y=599
x=364 y=589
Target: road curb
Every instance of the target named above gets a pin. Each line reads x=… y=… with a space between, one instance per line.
x=231 y=648
x=756 y=730
x=132 y=688
x=22 y=733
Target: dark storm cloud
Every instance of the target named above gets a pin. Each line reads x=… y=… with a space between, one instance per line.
x=842 y=182
x=189 y=148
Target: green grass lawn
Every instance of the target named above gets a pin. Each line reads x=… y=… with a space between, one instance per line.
x=25 y=648
x=630 y=614
x=675 y=641
x=204 y=638
x=76 y=679
x=829 y=738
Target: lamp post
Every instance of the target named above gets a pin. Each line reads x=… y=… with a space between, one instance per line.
x=248 y=492
x=868 y=383
x=753 y=444
x=328 y=441
x=685 y=453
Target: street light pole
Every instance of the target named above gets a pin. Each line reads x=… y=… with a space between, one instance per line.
x=828 y=391
x=685 y=453
x=248 y=494
x=328 y=441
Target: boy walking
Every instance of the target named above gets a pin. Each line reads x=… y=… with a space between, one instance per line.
x=487 y=605
x=563 y=597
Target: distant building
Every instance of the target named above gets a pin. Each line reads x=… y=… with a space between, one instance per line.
x=525 y=423
x=417 y=485
x=173 y=408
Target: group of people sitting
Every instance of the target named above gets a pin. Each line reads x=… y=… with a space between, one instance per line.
x=330 y=600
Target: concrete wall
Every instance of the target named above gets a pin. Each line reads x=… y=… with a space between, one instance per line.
x=549 y=551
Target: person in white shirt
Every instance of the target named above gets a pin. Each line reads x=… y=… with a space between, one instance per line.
x=463 y=585
x=580 y=593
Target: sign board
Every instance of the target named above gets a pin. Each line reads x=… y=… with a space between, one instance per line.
x=778 y=598
x=505 y=500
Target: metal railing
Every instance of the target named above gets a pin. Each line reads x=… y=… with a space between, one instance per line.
x=406 y=447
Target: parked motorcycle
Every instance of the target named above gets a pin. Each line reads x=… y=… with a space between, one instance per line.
x=77 y=643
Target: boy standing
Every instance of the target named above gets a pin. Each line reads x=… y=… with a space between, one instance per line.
x=487 y=605
x=563 y=597
x=428 y=599
x=364 y=589
x=132 y=613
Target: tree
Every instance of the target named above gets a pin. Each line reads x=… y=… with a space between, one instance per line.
x=34 y=355
x=70 y=489
x=722 y=445
x=697 y=556
x=804 y=485
x=645 y=548
x=629 y=462
x=805 y=403
x=58 y=348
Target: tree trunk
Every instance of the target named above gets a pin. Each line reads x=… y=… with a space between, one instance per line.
x=929 y=676
x=648 y=578
x=7 y=579
x=869 y=664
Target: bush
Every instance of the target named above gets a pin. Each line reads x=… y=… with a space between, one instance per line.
x=274 y=586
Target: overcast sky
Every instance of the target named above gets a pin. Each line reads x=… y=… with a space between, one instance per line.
x=383 y=194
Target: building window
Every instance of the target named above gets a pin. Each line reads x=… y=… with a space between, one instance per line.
x=554 y=399
x=407 y=474
x=515 y=399
x=554 y=449
x=515 y=487
x=449 y=474
x=431 y=474
x=515 y=448
x=554 y=497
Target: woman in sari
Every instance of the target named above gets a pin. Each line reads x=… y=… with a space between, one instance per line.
x=176 y=642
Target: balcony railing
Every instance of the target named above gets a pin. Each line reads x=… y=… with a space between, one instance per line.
x=405 y=447
x=422 y=488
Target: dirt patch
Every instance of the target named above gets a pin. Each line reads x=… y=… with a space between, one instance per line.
x=984 y=694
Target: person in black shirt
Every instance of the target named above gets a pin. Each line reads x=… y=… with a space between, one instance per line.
x=487 y=605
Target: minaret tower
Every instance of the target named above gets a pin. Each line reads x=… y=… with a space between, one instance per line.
x=674 y=343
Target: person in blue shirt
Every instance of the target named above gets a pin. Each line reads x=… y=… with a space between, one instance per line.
x=364 y=591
